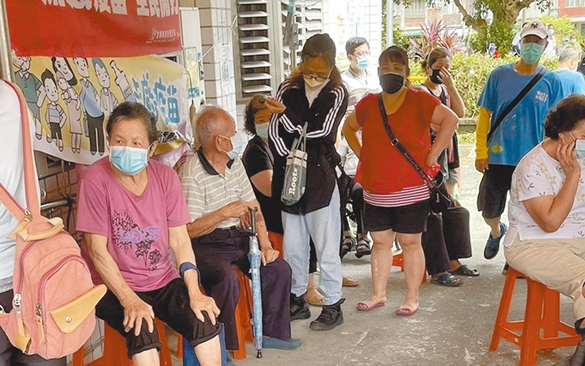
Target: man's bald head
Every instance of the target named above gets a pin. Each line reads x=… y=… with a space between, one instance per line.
x=211 y=122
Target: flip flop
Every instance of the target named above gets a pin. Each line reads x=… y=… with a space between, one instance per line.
x=405 y=311
x=368 y=305
x=447 y=280
x=463 y=270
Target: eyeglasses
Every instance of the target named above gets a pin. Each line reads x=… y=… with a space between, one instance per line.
x=317 y=77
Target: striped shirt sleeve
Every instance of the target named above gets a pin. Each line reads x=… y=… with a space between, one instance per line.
x=193 y=192
x=274 y=133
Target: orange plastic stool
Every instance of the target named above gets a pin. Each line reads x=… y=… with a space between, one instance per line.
x=242 y=315
x=115 y=352
x=277 y=242
x=398 y=261
x=542 y=312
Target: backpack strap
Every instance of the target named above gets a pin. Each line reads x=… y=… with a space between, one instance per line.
x=30 y=184
x=11 y=204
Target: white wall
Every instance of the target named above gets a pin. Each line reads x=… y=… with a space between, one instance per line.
x=350 y=18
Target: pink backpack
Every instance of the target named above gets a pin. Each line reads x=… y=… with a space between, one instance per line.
x=54 y=298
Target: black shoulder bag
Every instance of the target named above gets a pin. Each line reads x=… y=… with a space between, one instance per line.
x=515 y=102
x=440 y=198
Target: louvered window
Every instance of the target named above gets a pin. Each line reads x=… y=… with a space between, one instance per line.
x=253 y=43
x=308 y=20
x=263 y=58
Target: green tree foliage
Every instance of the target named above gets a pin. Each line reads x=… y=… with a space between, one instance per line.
x=504 y=15
x=399 y=39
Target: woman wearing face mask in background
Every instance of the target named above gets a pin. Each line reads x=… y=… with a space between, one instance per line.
x=396 y=198
x=313 y=94
x=447 y=238
x=551 y=47
x=258 y=162
x=545 y=239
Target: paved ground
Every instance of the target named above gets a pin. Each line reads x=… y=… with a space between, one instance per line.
x=452 y=327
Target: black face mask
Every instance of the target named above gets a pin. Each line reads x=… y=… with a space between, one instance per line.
x=391 y=82
x=435 y=77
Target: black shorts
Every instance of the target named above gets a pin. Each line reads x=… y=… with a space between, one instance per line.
x=171 y=305
x=409 y=219
x=493 y=190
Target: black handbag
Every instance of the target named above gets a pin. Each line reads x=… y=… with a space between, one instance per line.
x=440 y=198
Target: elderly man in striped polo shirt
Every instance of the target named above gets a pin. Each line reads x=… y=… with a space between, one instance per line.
x=218 y=195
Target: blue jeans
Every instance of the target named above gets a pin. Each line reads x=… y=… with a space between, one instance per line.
x=324 y=227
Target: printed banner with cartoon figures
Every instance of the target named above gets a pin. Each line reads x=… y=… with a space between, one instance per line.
x=88 y=28
x=71 y=99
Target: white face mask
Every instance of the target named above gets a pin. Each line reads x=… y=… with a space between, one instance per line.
x=238 y=145
x=314 y=83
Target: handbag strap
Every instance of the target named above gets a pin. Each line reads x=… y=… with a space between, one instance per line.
x=394 y=141
x=30 y=184
x=301 y=141
x=515 y=102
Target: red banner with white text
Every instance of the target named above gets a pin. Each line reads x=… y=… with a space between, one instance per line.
x=88 y=28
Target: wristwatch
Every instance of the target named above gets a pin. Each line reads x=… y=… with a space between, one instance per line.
x=185 y=266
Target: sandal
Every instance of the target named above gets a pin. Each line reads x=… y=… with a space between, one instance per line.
x=405 y=311
x=347 y=245
x=463 y=270
x=369 y=305
x=350 y=282
x=447 y=280
x=363 y=247
x=314 y=297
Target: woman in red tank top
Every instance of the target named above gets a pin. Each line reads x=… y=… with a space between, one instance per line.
x=396 y=198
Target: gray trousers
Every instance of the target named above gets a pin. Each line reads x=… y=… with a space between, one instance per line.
x=324 y=227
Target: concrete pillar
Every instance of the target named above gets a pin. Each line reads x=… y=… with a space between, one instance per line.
x=218 y=60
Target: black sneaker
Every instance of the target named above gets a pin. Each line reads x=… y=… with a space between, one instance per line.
x=299 y=309
x=330 y=317
x=492 y=246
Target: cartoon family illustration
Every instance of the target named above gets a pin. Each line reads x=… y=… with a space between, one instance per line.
x=86 y=110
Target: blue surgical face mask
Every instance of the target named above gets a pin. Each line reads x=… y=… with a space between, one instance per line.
x=262 y=130
x=363 y=62
x=129 y=160
x=579 y=147
x=531 y=52
x=238 y=145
